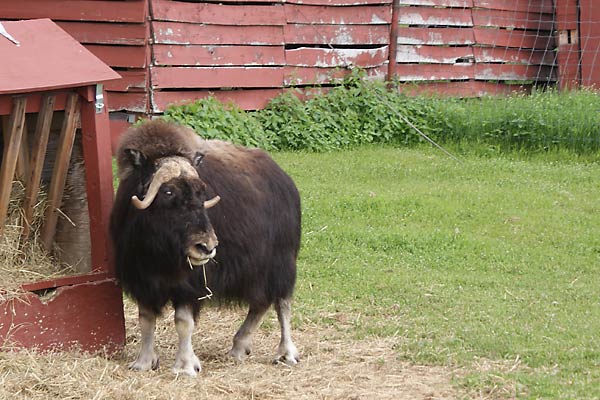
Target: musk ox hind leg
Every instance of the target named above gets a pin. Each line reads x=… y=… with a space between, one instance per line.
x=147 y=358
x=242 y=341
x=186 y=361
x=287 y=352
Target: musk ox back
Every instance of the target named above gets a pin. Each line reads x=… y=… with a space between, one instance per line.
x=189 y=209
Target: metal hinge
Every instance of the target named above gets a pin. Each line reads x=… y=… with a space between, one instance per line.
x=99 y=98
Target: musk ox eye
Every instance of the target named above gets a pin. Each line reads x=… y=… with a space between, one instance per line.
x=168 y=193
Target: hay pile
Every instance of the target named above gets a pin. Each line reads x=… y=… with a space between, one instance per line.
x=27 y=262
x=332 y=367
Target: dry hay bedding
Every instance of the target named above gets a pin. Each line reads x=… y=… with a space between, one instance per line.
x=27 y=262
x=332 y=367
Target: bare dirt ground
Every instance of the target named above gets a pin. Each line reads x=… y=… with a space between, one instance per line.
x=332 y=367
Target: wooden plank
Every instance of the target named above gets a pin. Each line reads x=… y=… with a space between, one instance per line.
x=567 y=14
x=315 y=75
x=569 y=73
x=75 y=10
x=9 y=157
x=339 y=2
x=54 y=283
x=531 y=6
x=517 y=39
x=590 y=44
x=59 y=172
x=182 y=33
x=23 y=159
x=84 y=317
x=513 y=72
x=319 y=57
x=247 y=99
x=490 y=72
x=336 y=34
x=462 y=88
x=430 y=16
x=434 y=54
x=106 y=33
x=435 y=36
x=96 y=143
x=128 y=101
x=320 y=15
x=131 y=80
x=34 y=102
x=38 y=154
x=218 y=14
x=198 y=55
x=514 y=56
x=513 y=19
x=434 y=72
x=438 y=3
x=216 y=77
x=120 y=56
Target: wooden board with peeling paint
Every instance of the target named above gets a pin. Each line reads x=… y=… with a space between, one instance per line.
x=319 y=76
x=337 y=34
x=216 y=77
x=187 y=34
x=213 y=55
x=218 y=14
x=331 y=58
x=249 y=99
x=468 y=88
x=353 y=15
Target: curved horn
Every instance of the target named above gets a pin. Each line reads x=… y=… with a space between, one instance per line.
x=165 y=173
x=212 y=202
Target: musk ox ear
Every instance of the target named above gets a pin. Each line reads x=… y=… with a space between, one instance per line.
x=136 y=157
x=198 y=157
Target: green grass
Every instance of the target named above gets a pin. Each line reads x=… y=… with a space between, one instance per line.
x=490 y=261
x=542 y=120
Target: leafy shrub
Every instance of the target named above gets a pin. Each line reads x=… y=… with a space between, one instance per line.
x=215 y=120
x=361 y=111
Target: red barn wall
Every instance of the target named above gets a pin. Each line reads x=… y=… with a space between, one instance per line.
x=248 y=52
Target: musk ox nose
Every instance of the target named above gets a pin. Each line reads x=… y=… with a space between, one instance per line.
x=206 y=248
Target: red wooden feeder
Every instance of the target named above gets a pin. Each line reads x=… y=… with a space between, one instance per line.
x=45 y=70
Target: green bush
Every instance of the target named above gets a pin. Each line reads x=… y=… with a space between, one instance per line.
x=215 y=120
x=362 y=111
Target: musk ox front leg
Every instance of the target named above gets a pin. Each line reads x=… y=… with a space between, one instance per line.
x=147 y=358
x=186 y=361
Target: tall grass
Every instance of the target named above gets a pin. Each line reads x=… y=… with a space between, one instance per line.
x=539 y=121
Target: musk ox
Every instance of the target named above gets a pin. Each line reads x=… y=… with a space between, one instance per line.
x=194 y=218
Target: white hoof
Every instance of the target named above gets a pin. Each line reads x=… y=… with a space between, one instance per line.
x=240 y=350
x=189 y=366
x=287 y=354
x=145 y=362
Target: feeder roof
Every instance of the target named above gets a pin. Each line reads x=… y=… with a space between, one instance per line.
x=46 y=58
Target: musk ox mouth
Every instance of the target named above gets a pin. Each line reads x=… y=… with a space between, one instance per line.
x=197 y=258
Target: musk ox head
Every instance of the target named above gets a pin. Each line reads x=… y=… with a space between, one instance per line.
x=169 y=202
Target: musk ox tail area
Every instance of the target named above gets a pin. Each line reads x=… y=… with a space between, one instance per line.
x=188 y=208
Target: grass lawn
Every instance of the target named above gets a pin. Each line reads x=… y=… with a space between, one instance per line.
x=489 y=265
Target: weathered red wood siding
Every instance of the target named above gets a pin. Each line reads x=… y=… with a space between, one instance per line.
x=590 y=43
x=249 y=51
x=116 y=31
x=459 y=46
